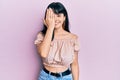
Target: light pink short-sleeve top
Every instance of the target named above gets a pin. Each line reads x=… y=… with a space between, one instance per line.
x=61 y=51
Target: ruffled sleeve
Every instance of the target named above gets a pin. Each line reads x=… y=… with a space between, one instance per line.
x=77 y=45
x=39 y=38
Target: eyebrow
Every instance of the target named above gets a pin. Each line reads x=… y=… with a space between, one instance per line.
x=59 y=14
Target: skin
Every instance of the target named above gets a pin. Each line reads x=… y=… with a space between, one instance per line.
x=54 y=22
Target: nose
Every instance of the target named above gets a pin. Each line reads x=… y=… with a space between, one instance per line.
x=56 y=17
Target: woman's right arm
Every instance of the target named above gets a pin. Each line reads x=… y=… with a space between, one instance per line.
x=44 y=46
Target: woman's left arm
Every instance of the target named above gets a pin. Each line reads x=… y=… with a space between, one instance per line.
x=75 y=67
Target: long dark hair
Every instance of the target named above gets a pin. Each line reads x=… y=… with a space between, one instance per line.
x=57 y=8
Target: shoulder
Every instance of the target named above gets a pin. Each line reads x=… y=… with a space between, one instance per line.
x=73 y=36
x=40 y=35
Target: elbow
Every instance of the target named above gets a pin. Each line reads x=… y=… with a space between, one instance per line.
x=75 y=64
x=42 y=53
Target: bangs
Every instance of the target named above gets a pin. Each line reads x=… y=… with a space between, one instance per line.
x=57 y=9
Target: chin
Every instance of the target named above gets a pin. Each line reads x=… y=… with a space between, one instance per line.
x=57 y=26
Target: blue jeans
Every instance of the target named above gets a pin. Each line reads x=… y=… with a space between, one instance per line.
x=45 y=76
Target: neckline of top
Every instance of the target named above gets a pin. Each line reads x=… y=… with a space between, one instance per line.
x=63 y=39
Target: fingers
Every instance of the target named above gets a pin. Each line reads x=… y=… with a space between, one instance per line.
x=49 y=14
x=50 y=18
x=52 y=14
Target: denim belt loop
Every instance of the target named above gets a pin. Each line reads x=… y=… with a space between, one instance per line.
x=49 y=74
x=61 y=76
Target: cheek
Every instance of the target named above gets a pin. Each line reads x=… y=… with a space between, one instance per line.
x=62 y=20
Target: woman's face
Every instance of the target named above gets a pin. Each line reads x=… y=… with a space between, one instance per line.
x=59 y=20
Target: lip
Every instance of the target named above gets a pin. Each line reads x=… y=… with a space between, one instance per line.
x=56 y=23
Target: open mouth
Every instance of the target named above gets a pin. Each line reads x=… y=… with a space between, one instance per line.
x=57 y=23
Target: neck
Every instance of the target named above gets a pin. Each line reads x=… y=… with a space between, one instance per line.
x=58 y=30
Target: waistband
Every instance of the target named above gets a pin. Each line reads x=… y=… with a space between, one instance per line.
x=67 y=72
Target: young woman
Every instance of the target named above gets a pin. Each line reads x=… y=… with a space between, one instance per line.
x=57 y=46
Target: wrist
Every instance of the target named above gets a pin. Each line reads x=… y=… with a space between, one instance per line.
x=50 y=27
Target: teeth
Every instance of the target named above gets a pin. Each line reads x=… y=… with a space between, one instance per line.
x=56 y=23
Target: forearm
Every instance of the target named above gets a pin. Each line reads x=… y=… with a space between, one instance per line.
x=75 y=71
x=45 y=45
